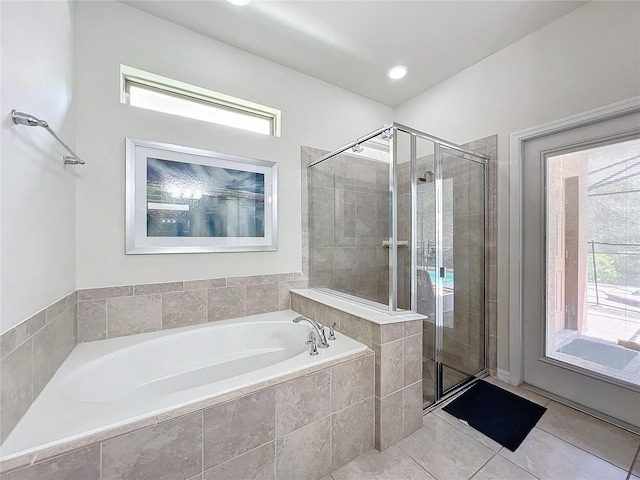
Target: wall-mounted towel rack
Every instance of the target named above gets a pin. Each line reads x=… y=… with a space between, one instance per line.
x=20 y=118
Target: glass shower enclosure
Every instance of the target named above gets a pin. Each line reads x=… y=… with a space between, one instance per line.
x=397 y=222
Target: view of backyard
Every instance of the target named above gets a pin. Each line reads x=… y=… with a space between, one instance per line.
x=593 y=260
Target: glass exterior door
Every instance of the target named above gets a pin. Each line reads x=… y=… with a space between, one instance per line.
x=593 y=260
x=580 y=266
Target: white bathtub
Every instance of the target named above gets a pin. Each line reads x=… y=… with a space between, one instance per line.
x=106 y=384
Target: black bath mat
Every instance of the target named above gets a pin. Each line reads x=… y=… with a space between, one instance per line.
x=497 y=413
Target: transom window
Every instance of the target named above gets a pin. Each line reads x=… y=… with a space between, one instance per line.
x=161 y=94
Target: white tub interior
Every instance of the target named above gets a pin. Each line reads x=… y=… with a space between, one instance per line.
x=106 y=384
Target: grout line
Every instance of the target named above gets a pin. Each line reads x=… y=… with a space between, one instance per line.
x=413 y=459
x=633 y=462
x=483 y=465
x=581 y=448
x=202 y=444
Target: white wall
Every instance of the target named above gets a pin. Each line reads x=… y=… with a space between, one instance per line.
x=586 y=59
x=37 y=193
x=314 y=113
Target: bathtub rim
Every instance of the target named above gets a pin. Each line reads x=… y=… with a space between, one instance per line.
x=53 y=449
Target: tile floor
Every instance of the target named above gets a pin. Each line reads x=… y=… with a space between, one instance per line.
x=564 y=445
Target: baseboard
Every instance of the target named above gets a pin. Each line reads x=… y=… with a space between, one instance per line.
x=502 y=375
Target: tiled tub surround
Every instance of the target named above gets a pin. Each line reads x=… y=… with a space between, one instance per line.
x=397 y=343
x=116 y=311
x=33 y=350
x=30 y=354
x=254 y=432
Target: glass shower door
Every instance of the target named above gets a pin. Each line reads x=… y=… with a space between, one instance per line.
x=450 y=267
x=426 y=262
x=462 y=269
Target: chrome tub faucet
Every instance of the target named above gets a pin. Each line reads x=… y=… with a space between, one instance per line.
x=319 y=330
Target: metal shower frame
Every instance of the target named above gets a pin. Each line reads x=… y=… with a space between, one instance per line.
x=390 y=130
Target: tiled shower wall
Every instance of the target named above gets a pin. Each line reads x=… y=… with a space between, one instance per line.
x=348 y=217
x=31 y=352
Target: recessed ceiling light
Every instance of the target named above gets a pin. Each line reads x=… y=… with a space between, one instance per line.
x=239 y=3
x=397 y=72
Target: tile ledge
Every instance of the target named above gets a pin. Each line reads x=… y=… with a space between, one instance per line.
x=370 y=314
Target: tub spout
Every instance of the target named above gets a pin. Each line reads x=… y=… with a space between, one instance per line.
x=318 y=327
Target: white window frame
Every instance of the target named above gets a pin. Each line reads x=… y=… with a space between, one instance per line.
x=171 y=87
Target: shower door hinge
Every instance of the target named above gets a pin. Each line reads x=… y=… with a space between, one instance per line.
x=443 y=272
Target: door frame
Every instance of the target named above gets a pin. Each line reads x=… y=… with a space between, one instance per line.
x=516 y=158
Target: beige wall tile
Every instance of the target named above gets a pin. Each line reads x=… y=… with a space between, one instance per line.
x=412 y=408
x=30 y=326
x=226 y=302
x=381 y=334
x=60 y=306
x=351 y=382
x=106 y=292
x=357 y=328
x=388 y=417
x=180 y=309
x=131 y=315
x=283 y=277
x=413 y=327
x=389 y=367
x=257 y=464
x=303 y=305
x=83 y=464
x=16 y=387
x=262 y=298
x=92 y=320
x=352 y=432
x=150 y=288
x=327 y=316
x=51 y=346
x=250 y=280
x=306 y=453
x=7 y=342
x=412 y=359
x=171 y=450
x=235 y=427
x=285 y=294
x=302 y=401
x=204 y=284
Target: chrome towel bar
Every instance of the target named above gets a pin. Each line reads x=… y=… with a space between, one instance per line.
x=20 y=118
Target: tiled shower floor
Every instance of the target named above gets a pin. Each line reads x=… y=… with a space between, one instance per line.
x=565 y=444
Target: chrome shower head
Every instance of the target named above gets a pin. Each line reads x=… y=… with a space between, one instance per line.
x=424 y=177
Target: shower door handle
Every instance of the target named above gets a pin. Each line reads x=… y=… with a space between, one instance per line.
x=443 y=272
x=401 y=243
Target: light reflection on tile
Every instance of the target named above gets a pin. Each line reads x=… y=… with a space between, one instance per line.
x=548 y=457
x=597 y=437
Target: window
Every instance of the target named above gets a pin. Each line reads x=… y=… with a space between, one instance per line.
x=161 y=94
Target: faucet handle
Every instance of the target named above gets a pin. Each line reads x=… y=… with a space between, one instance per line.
x=314 y=349
x=313 y=339
x=332 y=334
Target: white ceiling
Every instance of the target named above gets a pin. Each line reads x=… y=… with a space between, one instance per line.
x=351 y=44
